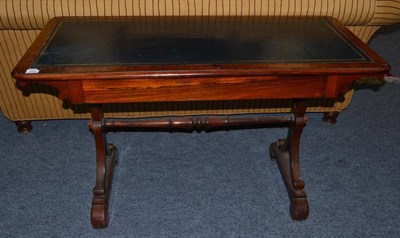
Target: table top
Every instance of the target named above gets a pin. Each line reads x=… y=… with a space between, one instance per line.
x=161 y=59
x=196 y=41
x=255 y=45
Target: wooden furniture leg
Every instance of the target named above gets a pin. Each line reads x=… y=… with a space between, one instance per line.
x=24 y=127
x=330 y=117
x=106 y=158
x=286 y=153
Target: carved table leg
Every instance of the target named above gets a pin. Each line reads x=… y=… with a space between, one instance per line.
x=286 y=153
x=105 y=162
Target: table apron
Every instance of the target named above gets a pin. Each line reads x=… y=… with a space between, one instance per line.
x=196 y=89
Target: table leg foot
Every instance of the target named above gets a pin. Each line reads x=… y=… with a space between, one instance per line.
x=298 y=199
x=99 y=216
x=101 y=195
x=299 y=208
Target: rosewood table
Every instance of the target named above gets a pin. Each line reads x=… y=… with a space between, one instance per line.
x=97 y=61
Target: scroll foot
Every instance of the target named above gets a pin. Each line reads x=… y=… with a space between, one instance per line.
x=99 y=216
x=299 y=209
x=298 y=199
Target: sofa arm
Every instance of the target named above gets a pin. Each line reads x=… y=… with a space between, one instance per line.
x=387 y=12
x=33 y=15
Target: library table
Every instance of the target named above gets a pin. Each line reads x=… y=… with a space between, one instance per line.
x=97 y=61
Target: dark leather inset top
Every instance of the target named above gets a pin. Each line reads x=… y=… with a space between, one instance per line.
x=152 y=41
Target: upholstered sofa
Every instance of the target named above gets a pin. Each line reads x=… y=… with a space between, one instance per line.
x=22 y=20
